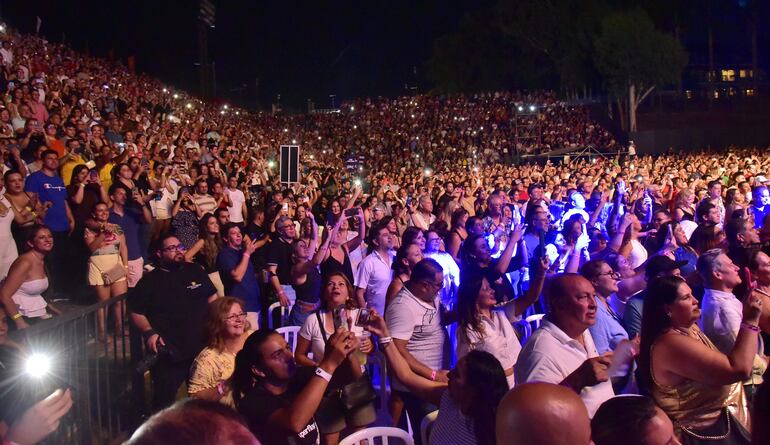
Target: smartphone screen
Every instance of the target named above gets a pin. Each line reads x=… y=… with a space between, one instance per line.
x=339 y=317
x=351 y=212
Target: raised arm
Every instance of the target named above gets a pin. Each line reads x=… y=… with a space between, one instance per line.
x=689 y=358
x=297 y=414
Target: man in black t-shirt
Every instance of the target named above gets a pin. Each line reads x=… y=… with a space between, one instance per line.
x=169 y=306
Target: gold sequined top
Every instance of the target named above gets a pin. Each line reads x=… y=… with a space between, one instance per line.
x=697 y=405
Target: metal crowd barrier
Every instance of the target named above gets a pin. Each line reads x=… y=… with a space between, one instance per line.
x=107 y=393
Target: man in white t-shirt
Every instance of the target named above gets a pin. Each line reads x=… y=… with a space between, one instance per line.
x=374 y=271
x=237 y=209
x=414 y=320
x=562 y=350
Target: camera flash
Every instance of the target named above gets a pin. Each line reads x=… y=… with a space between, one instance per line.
x=38 y=365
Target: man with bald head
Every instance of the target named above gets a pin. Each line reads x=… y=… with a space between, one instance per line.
x=194 y=421
x=562 y=351
x=542 y=414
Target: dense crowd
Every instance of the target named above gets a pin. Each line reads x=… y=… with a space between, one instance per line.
x=410 y=237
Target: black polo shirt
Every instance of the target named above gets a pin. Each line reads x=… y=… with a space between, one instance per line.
x=279 y=254
x=175 y=301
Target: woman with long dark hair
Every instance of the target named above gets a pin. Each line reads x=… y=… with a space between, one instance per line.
x=696 y=385
x=467 y=403
x=477 y=259
x=337 y=257
x=276 y=397
x=21 y=291
x=672 y=237
x=406 y=257
x=206 y=249
x=457 y=233
x=485 y=326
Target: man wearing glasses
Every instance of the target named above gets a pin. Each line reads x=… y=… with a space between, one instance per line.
x=415 y=322
x=279 y=260
x=169 y=307
x=237 y=271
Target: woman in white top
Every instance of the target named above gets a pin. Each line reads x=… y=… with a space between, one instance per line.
x=467 y=403
x=332 y=416
x=8 y=252
x=21 y=291
x=485 y=326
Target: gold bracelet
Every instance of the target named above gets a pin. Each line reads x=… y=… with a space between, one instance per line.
x=16 y=316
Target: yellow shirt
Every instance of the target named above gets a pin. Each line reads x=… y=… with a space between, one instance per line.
x=66 y=169
x=105 y=175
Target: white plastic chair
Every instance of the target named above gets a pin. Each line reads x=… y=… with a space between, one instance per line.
x=531 y=323
x=426 y=426
x=285 y=310
x=384 y=433
x=290 y=334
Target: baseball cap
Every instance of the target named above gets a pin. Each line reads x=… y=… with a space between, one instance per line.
x=661 y=263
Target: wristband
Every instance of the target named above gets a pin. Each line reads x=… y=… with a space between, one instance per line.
x=385 y=340
x=16 y=316
x=433 y=374
x=323 y=374
x=749 y=326
x=246 y=254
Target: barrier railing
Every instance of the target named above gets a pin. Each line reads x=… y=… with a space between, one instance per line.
x=99 y=371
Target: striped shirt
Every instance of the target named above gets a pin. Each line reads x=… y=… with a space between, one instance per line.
x=451 y=425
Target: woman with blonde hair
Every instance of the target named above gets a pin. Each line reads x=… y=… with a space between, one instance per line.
x=227 y=330
x=107 y=265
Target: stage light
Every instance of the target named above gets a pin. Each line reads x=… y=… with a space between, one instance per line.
x=2 y=28
x=355 y=127
x=165 y=90
x=285 y=130
x=532 y=108
x=176 y=96
x=319 y=138
x=293 y=141
x=189 y=105
x=38 y=365
x=237 y=113
x=352 y=108
x=520 y=108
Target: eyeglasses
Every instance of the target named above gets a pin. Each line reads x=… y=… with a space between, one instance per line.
x=285 y=226
x=178 y=247
x=611 y=273
x=235 y=317
x=437 y=286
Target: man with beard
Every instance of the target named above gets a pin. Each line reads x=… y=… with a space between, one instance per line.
x=169 y=307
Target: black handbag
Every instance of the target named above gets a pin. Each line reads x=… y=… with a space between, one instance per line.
x=354 y=394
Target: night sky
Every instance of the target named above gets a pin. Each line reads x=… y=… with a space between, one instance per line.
x=301 y=50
